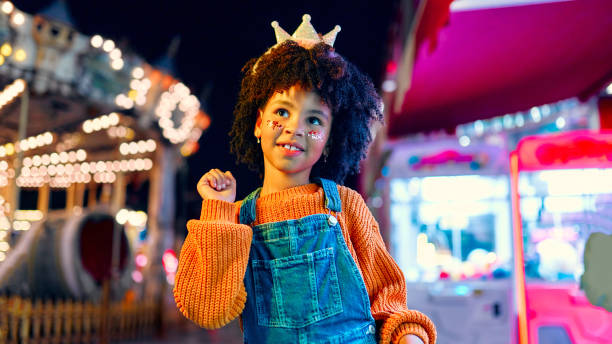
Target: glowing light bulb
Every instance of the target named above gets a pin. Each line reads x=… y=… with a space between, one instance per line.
x=108 y=45
x=104 y=121
x=115 y=54
x=63 y=157
x=18 y=19
x=117 y=64
x=6 y=49
x=133 y=148
x=124 y=149
x=7 y=7
x=19 y=86
x=138 y=72
x=20 y=55
x=48 y=137
x=151 y=145
x=87 y=127
x=32 y=142
x=81 y=155
x=135 y=84
x=96 y=41
x=142 y=146
x=96 y=124
x=113 y=118
x=122 y=216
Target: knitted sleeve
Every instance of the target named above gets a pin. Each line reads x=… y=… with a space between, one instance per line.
x=209 y=288
x=384 y=280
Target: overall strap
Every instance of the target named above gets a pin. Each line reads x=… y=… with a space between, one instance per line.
x=247 y=208
x=332 y=197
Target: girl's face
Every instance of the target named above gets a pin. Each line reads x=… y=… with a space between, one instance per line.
x=294 y=127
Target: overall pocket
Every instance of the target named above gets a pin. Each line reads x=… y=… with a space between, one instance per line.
x=296 y=291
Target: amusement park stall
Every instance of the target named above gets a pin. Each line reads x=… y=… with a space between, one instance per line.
x=562 y=195
x=450 y=219
x=83 y=121
x=491 y=239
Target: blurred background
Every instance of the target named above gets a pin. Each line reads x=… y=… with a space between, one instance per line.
x=491 y=173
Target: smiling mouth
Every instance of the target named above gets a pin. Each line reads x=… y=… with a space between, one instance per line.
x=291 y=148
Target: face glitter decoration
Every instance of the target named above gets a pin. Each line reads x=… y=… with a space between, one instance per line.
x=315 y=135
x=274 y=125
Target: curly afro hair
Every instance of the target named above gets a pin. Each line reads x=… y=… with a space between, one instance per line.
x=348 y=93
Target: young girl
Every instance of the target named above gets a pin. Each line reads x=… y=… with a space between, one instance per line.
x=300 y=259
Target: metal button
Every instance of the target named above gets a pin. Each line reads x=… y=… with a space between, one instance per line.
x=371 y=329
x=332 y=221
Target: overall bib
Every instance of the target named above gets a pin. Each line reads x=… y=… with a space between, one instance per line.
x=302 y=283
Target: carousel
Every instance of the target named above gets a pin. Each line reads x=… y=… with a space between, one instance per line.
x=91 y=137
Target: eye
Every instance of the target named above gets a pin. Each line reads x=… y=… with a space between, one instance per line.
x=282 y=113
x=315 y=121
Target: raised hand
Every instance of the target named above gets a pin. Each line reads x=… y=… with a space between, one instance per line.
x=410 y=339
x=218 y=185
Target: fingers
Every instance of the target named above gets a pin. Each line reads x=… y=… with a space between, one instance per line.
x=230 y=178
x=217 y=179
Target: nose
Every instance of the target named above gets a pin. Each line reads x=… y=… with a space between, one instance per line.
x=295 y=127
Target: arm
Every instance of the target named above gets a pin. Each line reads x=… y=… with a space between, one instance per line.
x=384 y=281
x=209 y=287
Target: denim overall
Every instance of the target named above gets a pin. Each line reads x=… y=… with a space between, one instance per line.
x=302 y=284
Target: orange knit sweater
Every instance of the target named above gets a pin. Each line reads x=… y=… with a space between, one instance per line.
x=209 y=287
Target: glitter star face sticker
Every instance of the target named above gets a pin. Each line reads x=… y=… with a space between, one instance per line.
x=315 y=135
x=274 y=125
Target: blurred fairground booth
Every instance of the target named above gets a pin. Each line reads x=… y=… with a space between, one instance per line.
x=493 y=172
x=91 y=137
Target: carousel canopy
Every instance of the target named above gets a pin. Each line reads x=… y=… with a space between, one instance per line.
x=494 y=60
x=72 y=79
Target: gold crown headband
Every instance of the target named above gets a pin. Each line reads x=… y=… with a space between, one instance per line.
x=305 y=35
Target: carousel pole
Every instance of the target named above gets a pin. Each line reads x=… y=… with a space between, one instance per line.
x=161 y=225
x=79 y=193
x=91 y=194
x=117 y=202
x=116 y=198
x=23 y=124
x=69 y=197
x=43 y=198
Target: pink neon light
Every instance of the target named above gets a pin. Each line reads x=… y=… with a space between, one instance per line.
x=576 y=149
x=445 y=157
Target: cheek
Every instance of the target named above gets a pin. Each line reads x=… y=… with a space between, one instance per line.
x=274 y=125
x=316 y=136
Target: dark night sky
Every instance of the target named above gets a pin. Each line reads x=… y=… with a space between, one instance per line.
x=217 y=38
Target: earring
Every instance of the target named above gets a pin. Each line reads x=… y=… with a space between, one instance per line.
x=258 y=140
x=325 y=156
